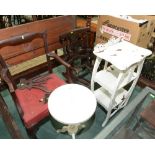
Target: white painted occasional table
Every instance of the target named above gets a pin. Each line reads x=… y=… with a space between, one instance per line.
x=122 y=68
x=72 y=105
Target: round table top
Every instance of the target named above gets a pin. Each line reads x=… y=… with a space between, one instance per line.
x=72 y=104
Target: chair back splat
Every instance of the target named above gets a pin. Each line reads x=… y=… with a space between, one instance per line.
x=77 y=47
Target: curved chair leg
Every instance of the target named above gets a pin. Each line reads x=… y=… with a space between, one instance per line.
x=73 y=136
x=107 y=119
x=105 y=122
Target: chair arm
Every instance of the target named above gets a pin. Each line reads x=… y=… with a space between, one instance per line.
x=4 y=76
x=59 y=59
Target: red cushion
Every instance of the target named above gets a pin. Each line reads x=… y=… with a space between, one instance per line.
x=34 y=110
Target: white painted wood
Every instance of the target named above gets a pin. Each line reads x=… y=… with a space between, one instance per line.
x=104 y=98
x=126 y=61
x=72 y=104
x=140 y=66
x=122 y=54
x=108 y=79
x=96 y=65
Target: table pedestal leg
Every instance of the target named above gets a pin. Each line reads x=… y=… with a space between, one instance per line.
x=71 y=129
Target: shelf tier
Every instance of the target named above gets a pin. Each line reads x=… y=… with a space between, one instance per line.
x=104 y=98
x=108 y=79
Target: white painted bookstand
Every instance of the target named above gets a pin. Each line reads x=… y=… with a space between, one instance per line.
x=123 y=65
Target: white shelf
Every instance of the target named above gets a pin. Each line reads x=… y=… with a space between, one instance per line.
x=104 y=98
x=108 y=79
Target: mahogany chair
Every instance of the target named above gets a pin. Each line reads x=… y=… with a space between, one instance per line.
x=31 y=94
x=78 y=51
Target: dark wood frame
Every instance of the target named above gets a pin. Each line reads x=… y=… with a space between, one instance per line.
x=143 y=82
x=78 y=44
x=54 y=27
x=6 y=75
x=9 y=121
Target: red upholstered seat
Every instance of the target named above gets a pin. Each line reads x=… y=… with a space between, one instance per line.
x=29 y=101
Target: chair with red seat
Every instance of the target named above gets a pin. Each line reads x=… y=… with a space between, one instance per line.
x=30 y=93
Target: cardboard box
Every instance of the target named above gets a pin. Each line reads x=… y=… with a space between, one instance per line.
x=150 y=27
x=137 y=32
